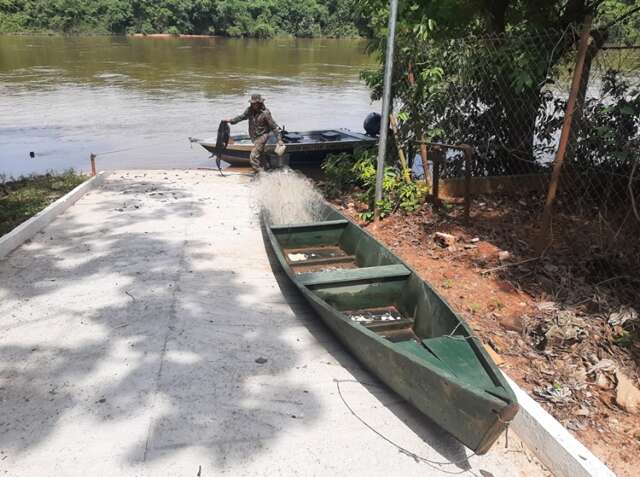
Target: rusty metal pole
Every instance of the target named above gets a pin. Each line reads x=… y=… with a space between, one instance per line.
x=436 y=159
x=386 y=106
x=468 y=158
x=565 y=135
x=92 y=157
x=424 y=156
x=406 y=172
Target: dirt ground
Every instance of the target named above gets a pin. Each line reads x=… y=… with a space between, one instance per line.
x=551 y=323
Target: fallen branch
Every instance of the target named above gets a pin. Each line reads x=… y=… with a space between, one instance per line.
x=501 y=267
x=630 y=186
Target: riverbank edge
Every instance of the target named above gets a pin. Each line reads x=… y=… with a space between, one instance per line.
x=35 y=224
x=169 y=36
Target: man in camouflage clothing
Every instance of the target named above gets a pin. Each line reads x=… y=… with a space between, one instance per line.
x=261 y=125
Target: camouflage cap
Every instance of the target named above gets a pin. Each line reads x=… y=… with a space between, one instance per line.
x=256 y=98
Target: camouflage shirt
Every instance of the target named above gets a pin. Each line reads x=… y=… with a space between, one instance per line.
x=260 y=122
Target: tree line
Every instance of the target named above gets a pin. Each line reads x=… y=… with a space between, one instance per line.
x=233 y=18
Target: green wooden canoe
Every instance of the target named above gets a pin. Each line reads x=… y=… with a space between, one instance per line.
x=397 y=325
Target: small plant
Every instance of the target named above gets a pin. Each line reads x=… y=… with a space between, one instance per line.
x=625 y=339
x=496 y=304
x=474 y=308
x=338 y=174
x=448 y=283
x=344 y=172
x=24 y=197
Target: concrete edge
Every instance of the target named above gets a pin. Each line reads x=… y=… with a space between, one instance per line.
x=23 y=232
x=556 y=448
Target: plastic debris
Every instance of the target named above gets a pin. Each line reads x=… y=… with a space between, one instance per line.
x=298 y=257
x=624 y=315
x=444 y=240
x=555 y=393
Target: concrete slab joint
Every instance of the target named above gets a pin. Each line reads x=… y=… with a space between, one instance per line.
x=35 y=224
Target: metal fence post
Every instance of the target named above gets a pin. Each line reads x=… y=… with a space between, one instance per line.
x=545 y=238
x=386 y=106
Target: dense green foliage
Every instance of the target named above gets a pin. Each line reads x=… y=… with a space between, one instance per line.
x=22 y=198
x=356 y=173
x=482 y=72
x=255 y=18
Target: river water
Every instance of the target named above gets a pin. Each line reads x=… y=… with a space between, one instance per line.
x=64 y=98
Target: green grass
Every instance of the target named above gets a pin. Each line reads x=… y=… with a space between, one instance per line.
x=22 y=198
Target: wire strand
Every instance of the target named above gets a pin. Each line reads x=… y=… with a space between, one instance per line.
x=431 y=463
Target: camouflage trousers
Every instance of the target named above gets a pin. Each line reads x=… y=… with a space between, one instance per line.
x=257 y=159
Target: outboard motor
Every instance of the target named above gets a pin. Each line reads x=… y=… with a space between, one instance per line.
x=372 y=124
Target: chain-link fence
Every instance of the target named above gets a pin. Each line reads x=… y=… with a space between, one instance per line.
x=507 y=97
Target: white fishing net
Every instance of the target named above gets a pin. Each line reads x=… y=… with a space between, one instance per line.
x=288 y=197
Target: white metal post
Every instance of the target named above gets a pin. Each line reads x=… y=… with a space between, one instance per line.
x=386 y=104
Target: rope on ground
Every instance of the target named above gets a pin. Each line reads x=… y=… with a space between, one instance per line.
x=432 y=463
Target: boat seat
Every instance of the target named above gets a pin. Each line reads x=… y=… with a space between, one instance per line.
x=380 y=326
x=328 y=224
x=330 y=135
x=344 y=276
x=324 y=261
x=292 y=137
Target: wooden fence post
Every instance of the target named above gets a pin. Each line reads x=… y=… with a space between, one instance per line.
x=92 y=158
x=424 y=155
x=436 y=160
x=468 y=158
x=545 y=232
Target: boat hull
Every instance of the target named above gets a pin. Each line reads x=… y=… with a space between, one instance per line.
x=474 y=413
x=432 y=394
x=312 y=148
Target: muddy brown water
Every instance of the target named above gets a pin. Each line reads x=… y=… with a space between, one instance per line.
x=64 y=98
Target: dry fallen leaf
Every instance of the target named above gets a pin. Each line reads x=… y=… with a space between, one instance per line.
x=603 y=382
x=605 y=365
x=494 y=356
x=627 y=394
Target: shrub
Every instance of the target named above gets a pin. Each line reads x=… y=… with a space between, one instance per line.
x=344 y=173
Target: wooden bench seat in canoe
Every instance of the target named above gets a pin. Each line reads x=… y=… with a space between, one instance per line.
x=324 y=261
x=311 y=234
x=341 y=277
x=327 y=224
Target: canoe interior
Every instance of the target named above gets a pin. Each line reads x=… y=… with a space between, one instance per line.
x=364 y=281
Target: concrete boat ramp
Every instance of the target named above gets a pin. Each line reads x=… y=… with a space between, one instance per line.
x=144 y=332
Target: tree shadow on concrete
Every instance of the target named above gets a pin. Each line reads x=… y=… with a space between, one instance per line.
x=110 y=322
